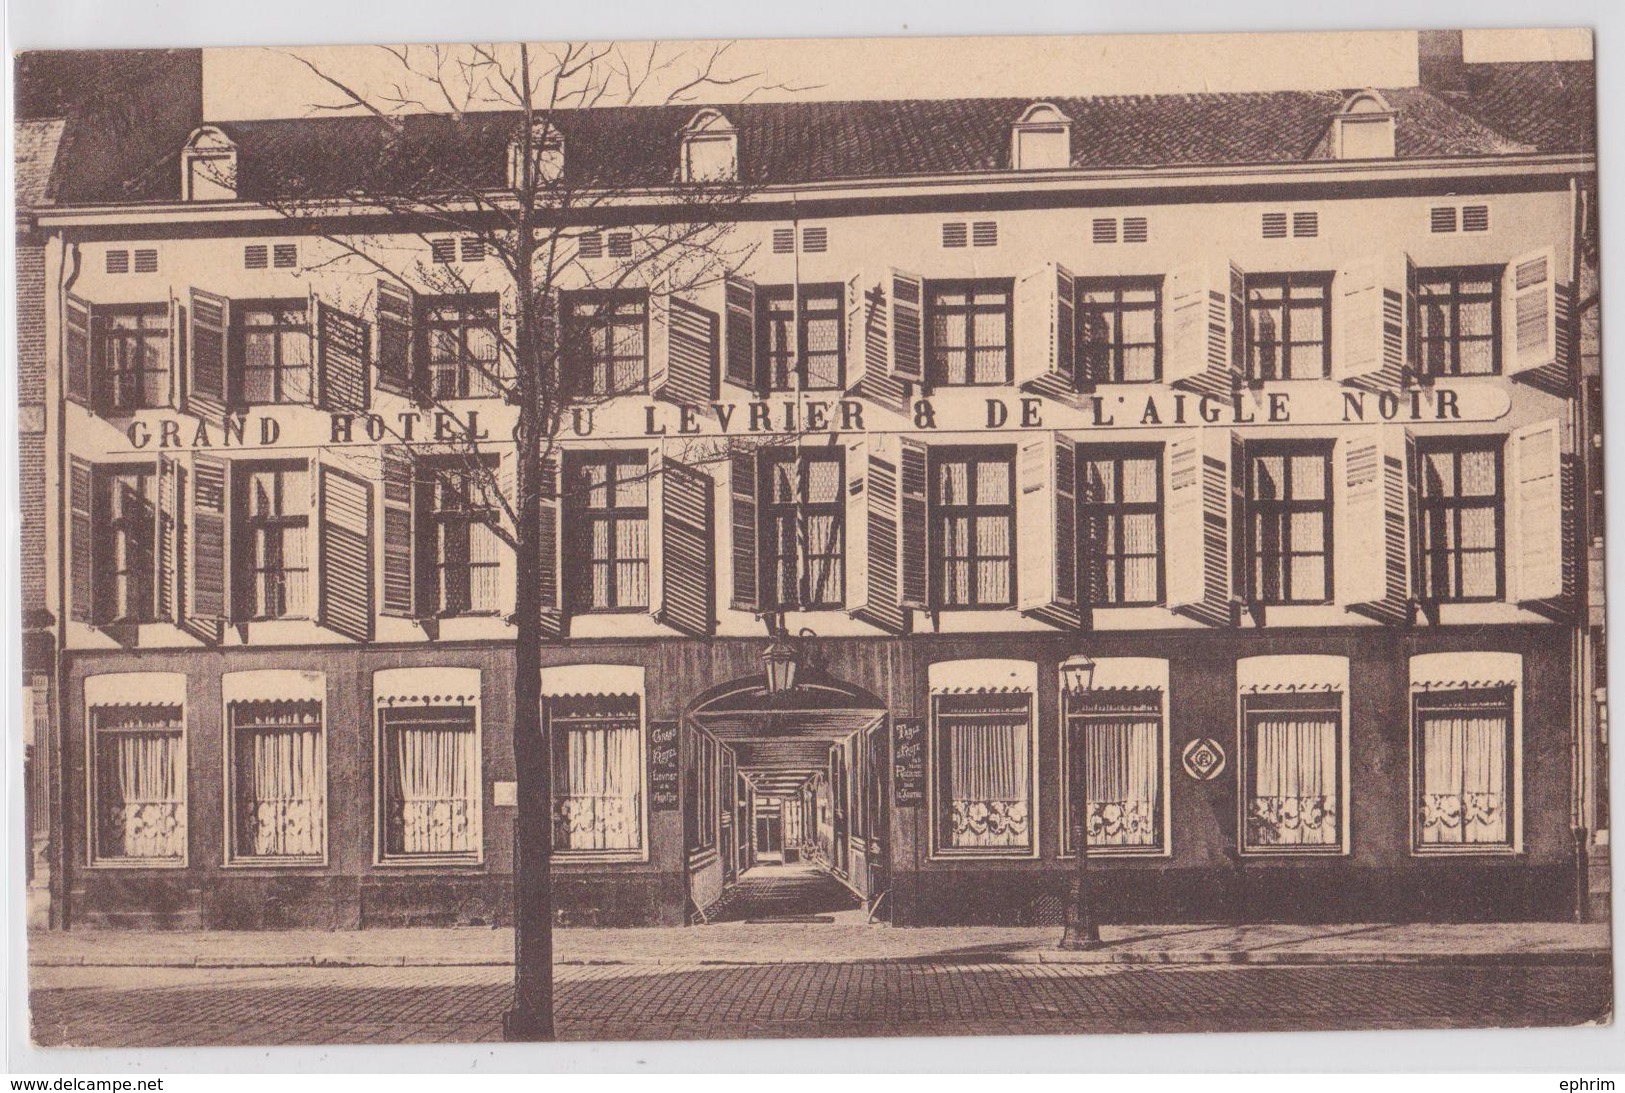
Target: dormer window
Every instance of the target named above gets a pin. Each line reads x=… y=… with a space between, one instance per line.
x=546 y=156
x=710 y=149
x=209 y=167
x=1364 y=129
x=1041 y=140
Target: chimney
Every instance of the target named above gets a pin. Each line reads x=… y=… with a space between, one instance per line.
x=1439 y=64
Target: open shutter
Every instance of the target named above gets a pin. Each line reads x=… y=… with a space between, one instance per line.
x=914 y=548
x=687 y=550
x=856 y=362
x=906 y=324
x=78 y=350
x=1198 y=348
x=550 y=591
x=1229 y=365
x=1360 y=502
x=657 y=352
x=395 y=340
x=1198 y=518
x=207 y=383
x=1535 y=557
x=688 y=373
x=344 y=552
x=400 y=585
x=341 y=353
x=1368 y=346
x=1046 y=341
x=872 y=533
x=166 y=539
x=82 y=544
x=855 y=521
x=1530 y=294
x=739 y=333
x=206 y=570
x=1046 y=532
x=742 y=485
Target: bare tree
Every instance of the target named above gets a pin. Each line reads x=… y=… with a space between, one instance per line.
x=479 y=143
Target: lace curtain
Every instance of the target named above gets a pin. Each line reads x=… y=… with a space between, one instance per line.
x=1294 y=779
x=141 y=775
x=989 y=783
x=598 y=783
x=281 y=802
x=434 y=786
x=1464 y=792
x=1122 y=778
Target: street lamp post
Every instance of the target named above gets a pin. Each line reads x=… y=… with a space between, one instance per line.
x=1082 y=932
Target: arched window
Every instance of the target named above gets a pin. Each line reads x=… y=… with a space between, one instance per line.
x=546 y=155
x=1041 y=139
x=209 y=166
x=1364 y=128
x=710 y=149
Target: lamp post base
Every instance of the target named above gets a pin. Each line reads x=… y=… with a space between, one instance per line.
x=1081 y=939
x=523 y=1027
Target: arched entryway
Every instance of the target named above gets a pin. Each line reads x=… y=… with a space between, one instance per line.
x=802 y=813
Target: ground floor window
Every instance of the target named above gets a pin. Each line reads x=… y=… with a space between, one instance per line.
x=1113 y=756
x=1292 y=771
x=983 y=751
x=597 y=773
x=1464 y=769
x=431 y=763
x=280 y=793
x=138 y=761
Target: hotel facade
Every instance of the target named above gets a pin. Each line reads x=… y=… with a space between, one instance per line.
x=1216 y=466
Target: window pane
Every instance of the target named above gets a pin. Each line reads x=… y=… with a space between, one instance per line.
x=1140 y=480
x=1293 y=799
x=433 y=788
x=1464 y=793
x=1122 y=778
x=140 y=782
x=992 y=483
x=988 y=784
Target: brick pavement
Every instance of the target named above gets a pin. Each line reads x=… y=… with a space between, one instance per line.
x=106 y=1007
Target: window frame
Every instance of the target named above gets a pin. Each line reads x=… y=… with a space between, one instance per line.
x=1147 y=709
x=93 y=858
x=702 y=797
x=768 y=554
x=1116 y=308
x=233 y=856
x=382 y=855
x=932 y=308
x=425 y=324
x=1507 y=705
x=639 y=853
x=1286 y=282
x=430 y=518
x=1452 y=509
x=1309 y=699
x=240 y=329
x=581 y=518
x=104 y=576
x=244 y=570
x=1455 y=275
x=828 y=303
x=938 y=514
x=109 y=371
x=1284 y=509
x=939 y=784
x=1118 y=454
x=586 y=313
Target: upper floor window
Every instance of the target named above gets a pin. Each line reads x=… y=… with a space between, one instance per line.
x=1289 y=522
x=459 y=341
x=1288 y=326
x=608 y=503
x=973 y=526
x=459 y=553
x=1458 y=317
x=1119 y=330
x=114 y=556
x=134 y=356
x=606 y=342
x=968 y=333
x=272 y=563
x=1120 y=525
x=803 y=535
x=1461 y=509
x=273 y=351
x=805 y=352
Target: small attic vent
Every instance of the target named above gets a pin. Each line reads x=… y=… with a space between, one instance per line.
x=473 y=249
x=954 y=235
x=590 y=245
x=1105 y=230
x=1275 y=225
x=443 y=251
x=1135 y=229
x=118 y=261
x=815 y=240
x=784 y=240
x=146 y=260
x=1305 y=225
x=285 y=255
x=985 y=233
x=620 y=244
x=256 y=256
x=1475 y=218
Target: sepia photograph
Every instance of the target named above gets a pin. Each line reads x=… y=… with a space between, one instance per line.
x=878 y=537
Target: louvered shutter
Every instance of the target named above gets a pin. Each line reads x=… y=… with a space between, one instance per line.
x=342 y=354
x=855 y=351
x=344 y=524
x=1046 y=341
x=1411 y=346
x=550 y=552
x=1530 y=292
x=1182 y=519
x=739 y=333
x=208 y=382
x=1227 y=334
x=743 y=484
x=1197 y=329
x=914 y=550
x=657 y=350
x=872 y=531
x=396 y=344
x=1536 y=555
x=167 y=540
x=399 y=552
x=1047 y=529
x=855 y=520
x=1369 y=316
x=82 y=541
x=688 y=562
x=688 y=374
x=209 y=527
x=78 y=350
x=1198 y=520
x=906 y=324
x=1359 y=510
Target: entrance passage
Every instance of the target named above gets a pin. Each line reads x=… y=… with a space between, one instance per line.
x=804 y=892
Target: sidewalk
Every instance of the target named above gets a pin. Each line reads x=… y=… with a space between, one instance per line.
x=1522 y=943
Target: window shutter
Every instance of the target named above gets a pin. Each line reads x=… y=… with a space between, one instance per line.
x=1227 y=335
x=344 y=552
x=687 y=550
x=1410 y=346
x=905 y=322
x=209 y=531
x=657 y=351
x=396 y=307
x=207 y=386
x=855 y=520
x=857 y=339
x=1358 y=539
x=167 y=539
x=1370 y=320
x=1536 y=554
x=82 y=547
x=1046 y=532
x=872 y=532
x=550 y=554
x=1182 y=519
x=78 y=350
x=1045 y=339
x=690 y=366
x=1198 y=518
x=1530 y=291
x=914 y=549
x=1197 y=330
x=742 y=485
x=341 y=344
x=399 y=552
x=739 y=333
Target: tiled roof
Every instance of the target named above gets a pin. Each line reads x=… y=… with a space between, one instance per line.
x=1550 y=105
x=35 y=146
x=788 y=143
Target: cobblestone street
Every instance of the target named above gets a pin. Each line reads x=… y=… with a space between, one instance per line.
x=143 y=1007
